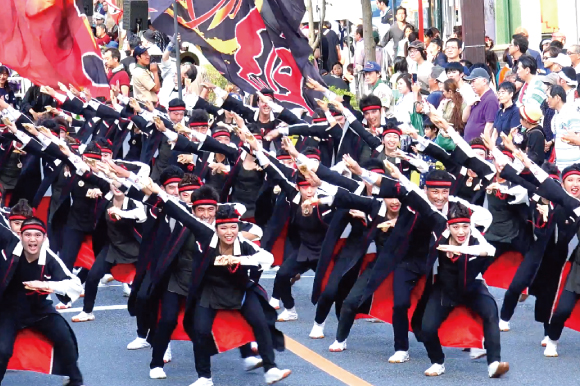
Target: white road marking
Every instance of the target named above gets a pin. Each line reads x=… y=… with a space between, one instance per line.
x=98 y=308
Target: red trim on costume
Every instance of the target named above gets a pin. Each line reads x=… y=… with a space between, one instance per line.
x=63 y=128
x=459 y=220
x=221 y=134
x=570 y=173
x=197 y=124
x=204 y=202
x=318 y=120
x=438 y=183
x=509 y=154
x=92 y=156
x=258 y=137
x=106 y=150
x=17 y=217
x=372 y=107
x=227 y=220
x=36 y=227
x=554 y=176
x=187 y=188
x=171 y=181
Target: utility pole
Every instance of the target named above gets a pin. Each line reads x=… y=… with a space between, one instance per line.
x=472 y=15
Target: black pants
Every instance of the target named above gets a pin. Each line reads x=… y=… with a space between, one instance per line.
x=350 y=306
x=336 y=290
x=403 y=283
x=522 y=279
x=290 y=268
x=435 y=314
x=145 y=315
x=563 y=311
x=99 y=269
x=72 y=245
x=169 y=313
x=253 y=313
x=55 y=329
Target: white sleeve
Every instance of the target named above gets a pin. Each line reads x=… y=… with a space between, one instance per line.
x=479 y=216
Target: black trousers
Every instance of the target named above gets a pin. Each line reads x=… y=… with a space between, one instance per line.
x=99 y=269
x=55 y=329
x=71 y=246
x=169 y=313
x=337 y=289
x=436 y=313
x=565 y=307
x=522 y=279
x=404 y=281
x=145 y=315
x=350 y=306
x=290 y=268
x=203 y=343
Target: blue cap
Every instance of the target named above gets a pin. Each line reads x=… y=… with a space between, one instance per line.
x=139 y=50
x=113 y=44
x=372 y=67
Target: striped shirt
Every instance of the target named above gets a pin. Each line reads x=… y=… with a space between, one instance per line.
x=532 y=92
x=566 y=120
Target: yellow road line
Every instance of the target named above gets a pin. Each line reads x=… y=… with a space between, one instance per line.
x=324 y=364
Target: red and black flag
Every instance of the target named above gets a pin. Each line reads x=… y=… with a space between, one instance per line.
x=253 y=43
x=50 y=41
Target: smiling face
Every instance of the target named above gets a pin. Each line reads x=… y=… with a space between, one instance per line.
x=402 y=87
x=572 y=185
x=114 y=186
x=172 y=189
x=373 y=117
x=32 y=241
x=264 y=108
x=391 y=141
x=438 y=196
x=205 y=213
x=227 y=233
x=185 y=196
x=3 y=77
x=459 y=232
x=393 y=205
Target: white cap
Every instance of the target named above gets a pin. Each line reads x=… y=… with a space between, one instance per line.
x=442 y=77
x=562 y=59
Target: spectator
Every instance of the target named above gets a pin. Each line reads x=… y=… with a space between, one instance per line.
x=422 y=67
x=101 y=35
x=405 y=104
x=567 y=79
x=400 y=67
x=116 y=74
x=435 y=54
x=129 y=61
x=493 y=63
x=533 y=53
x=453 y=50
x=574 y=54
x=359 y=48
x=146 y=83
x=330 y=47
x=481 y=114
x=544 y=44
x=401 y=48
x=533 y=89
x=517 y=48
x=508 y=116
x=335 y=78
x=565 y=120
x=150 y=40
x=549 y=54
x=492 y=83
x=452 y=105
x=454 y=70
x=466 y=64
x=6 y=92
x=397 y=31
x=559 y=62
x=386 y=12
x=533 y=139
x=98 y=18
x=375 y=86
x=559 y=36
x=435 y=94
x=430 y=34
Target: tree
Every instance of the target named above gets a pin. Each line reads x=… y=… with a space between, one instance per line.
x=313 y=37
x=367 y=17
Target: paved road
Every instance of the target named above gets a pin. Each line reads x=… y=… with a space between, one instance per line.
x=105 y=361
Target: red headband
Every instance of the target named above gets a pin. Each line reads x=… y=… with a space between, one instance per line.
x=379 y=171
x=17 y=217
x=106 y=150
x=313 y=156
x=177 y=108
x=284 y=156
x=478 y=146
x=459 y=220
x=258 y=137
x=92 y=156
x=227 y=220
x=304 y=183
x=196 y=124
x=508 y=154
x=34 y=227
x=372 y=107
x=571 y=173
x=204 y=202
x=317 y=120
x=171 y=181
x=438 y=183
x=63 y=128
x=187 y=188
x=392 y=131
x=221 y=134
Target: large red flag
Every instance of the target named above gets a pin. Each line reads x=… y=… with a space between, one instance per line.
x=50 y=41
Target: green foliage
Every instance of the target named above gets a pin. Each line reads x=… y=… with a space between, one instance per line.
x=353 y=100
x=216 y=78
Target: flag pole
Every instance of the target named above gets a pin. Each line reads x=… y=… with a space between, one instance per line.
x=177 y=51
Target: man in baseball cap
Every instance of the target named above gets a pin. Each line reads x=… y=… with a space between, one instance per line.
x=559 y=62
x=567 y=79
x=376 y=86
x=483 y=113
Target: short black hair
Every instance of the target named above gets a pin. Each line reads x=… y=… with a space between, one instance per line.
x=437 y=41
x=401 y=65
x=458 y=210
x=439 y=175
x=456 y=40
x=22 y=208
x=528 y=62
x=571 y=168
x=403 y=9
x=508 y=86
x=359 y=30
x=206 y=192
x=369 y=100
x=172 y=171
x=557 y=90
x=558 y=44
x=337 y=64
x=115 y=53
x=226 y=212
x=550 y=168
x=553 y=51
x=466 y=63
x=522 y=42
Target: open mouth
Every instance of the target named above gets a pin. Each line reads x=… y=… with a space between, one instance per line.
x=229 y=239
x=461 y=239
x=394 y=207
x=575 y=190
